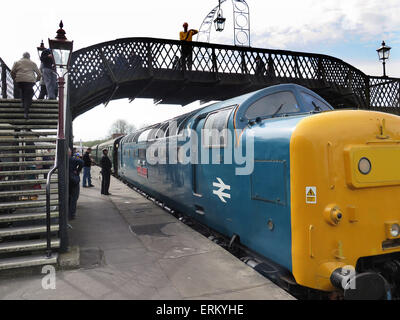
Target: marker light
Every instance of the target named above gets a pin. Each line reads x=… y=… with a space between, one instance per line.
x=395 y=230
x=364 y=166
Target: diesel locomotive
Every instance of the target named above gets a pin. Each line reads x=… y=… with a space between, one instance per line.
x=317 y=197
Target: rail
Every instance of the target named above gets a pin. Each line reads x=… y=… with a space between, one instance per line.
x=8 y=88
x=6 y=82
x=99 y=72
x=48 y=215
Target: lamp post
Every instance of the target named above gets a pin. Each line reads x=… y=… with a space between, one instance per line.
x=383 y=53
x=219 y=21
x=61 y=50
x=40 y=49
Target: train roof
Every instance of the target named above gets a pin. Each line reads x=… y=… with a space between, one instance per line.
x=243 y=100
x=109 y=142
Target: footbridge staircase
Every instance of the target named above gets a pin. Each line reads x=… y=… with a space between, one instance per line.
x=27 y=153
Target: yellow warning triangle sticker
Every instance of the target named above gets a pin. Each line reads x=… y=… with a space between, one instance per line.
x=311 y=193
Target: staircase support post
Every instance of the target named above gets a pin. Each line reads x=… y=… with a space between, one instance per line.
x=62 y=194
x=3 y=81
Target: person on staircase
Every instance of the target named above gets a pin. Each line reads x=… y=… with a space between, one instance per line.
x=43 y=90
x=49 y=74
x=26 y=73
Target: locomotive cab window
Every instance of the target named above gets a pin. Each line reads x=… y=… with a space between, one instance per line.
x=279 y=103
x=313 y=103
x=214 y=131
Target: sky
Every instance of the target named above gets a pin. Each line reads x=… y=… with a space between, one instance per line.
x=350 y=30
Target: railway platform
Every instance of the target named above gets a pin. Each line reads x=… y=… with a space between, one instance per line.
x=132 y=249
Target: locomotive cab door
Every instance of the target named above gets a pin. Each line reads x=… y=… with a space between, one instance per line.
x=208 y=175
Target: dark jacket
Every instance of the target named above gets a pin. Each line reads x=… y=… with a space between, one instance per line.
x=46 y=60
x=105 y=164
x=87 y=162
x=75 y=168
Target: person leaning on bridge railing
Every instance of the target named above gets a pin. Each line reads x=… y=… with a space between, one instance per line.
x=23 y=73
x=186 y=36
x=49 y=74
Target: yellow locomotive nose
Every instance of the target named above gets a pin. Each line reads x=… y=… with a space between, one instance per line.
x=351 y=161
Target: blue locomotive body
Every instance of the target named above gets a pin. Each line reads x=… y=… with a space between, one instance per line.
x=255 y=205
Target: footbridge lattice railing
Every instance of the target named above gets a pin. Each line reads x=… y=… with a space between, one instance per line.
x=111 y=64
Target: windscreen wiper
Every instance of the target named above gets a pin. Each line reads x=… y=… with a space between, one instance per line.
x=277 y=111
x=316 y=108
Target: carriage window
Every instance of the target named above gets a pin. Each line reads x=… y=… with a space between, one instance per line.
x=136 y=136
x=214 y=134
x=313 y=103
x=143 y=136
x=152 y=134
x=142 y=154
x=277 y=103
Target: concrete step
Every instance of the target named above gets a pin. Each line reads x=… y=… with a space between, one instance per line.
x=16 y=217
x=25 y=163
x=21 y=231
x=28 y=122
x=26 y=204
x=20 y=193
x=23 y=172
x=28 y=127
x=24 y=140
x=30 y=245
x=28 y=261
x=27 y=133
x=35 y=101
x=31 y=110
x=25 y=182
x=40 y=116
x=26 y=155
x=35 y=147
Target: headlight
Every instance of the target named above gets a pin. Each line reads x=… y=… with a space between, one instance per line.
x=364 y=166
x=395 y=230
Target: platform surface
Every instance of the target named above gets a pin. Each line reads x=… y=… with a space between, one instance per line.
x=132 y=249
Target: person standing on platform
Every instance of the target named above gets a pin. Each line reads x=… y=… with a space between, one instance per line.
x=87 y=163
x=23 y=73
x=186 y=36
x=75 y=168
x=49 y=74
x=106 y=165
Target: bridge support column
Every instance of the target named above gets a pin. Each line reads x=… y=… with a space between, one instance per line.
x=3 y=81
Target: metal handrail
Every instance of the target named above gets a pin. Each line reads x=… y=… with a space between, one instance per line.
x=7 y=85
x=48 y=216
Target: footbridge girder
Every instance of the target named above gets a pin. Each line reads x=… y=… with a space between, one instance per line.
x=155 y=68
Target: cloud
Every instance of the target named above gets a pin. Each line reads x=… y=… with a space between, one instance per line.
x=287 y=23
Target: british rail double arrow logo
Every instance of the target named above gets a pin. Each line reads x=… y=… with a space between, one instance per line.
x=220 y=192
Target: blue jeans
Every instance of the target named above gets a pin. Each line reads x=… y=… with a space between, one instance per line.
x=86 y=177
x=50 y=80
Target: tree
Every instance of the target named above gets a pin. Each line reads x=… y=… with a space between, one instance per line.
x=121 y=126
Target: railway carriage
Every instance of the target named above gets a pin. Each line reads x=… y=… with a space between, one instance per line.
x=316 y=199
